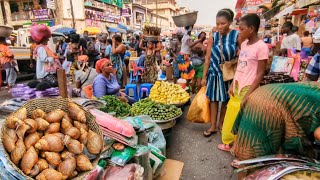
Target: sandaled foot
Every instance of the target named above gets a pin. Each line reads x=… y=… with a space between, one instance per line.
x=235 y=164
x=209 y=133
x=224 y=147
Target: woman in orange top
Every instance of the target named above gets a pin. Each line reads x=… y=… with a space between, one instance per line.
x=307 y=43
x=7 y=63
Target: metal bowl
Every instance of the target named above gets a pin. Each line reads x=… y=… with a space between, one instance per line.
x=151 y=38
x=5 y=31
x=184 y=20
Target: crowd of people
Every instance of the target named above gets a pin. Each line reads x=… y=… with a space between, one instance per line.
x=254 y=120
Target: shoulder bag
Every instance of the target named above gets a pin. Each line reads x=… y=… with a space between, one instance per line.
x=228 y=68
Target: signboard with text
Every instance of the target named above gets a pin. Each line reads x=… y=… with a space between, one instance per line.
x=51 y=4
x=254 y=2
x=42 y=14
x=118 y=3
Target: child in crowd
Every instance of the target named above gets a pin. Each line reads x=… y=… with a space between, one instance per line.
x=7 y=62
x=250 y=71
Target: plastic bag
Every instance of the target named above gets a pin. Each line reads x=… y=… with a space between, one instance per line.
x=157 y=139
x=128 y=172
x=199 y=111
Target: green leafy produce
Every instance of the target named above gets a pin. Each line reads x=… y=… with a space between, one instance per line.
x=156 y=111
x=113 y=104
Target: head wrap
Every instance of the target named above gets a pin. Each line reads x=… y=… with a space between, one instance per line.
x=83 y=58
x=100 y=63
x=40 y=32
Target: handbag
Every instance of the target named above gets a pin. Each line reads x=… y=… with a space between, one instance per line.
x=228 y=68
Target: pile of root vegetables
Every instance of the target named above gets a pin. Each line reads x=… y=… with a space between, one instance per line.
x=52 y=145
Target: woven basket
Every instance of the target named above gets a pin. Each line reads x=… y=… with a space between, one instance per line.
x=47 y=105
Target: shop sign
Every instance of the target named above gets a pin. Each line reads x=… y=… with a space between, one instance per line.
x=51 y=4
x=118 y=3
x=126 y=12
x=106 y=16
x=254 y=2
x=42 y=14
x=92 y=23
x=303 y=3
x=127 y=1
x=252 y=9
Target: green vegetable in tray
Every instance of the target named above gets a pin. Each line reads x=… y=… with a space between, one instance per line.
x=156 y=111
x=113 y=104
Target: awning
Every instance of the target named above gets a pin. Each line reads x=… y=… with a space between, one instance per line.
x=286 y=11
x=116 y=30
x=300 y=11
x=121 y=26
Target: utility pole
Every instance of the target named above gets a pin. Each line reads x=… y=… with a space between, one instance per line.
x=157 y=13
x=72 y=14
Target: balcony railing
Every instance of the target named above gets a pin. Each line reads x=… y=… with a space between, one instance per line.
x=20 y=16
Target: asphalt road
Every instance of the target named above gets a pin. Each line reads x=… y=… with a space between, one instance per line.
x=202 y=159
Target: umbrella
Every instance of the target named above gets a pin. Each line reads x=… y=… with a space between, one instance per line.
x=137 y=33
x=65 y=30
x=92 y=30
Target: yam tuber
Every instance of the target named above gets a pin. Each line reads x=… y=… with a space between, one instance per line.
x=29 y=159
x=50 y=142
x=72 y=145
x=68 y=118
x=21 y=114
x=94 y=143
x=66 y=155
x=18 y=152
x=42 y=164
x=53 y=128
x=65 y=125
x=33 y=124
x=55 y=116
x=52 y=158
x=83 y=136
x=9 y=139
x=76 y=112
x=31 y=140
x=34 y=171
x=67 y=167
x=80 y=125
x=60 y=135
x=83 y=163
x=73 y=132
x=22 y=129
x=42 y=124
x=38 y=113
x=50 y=174
x=13 y=122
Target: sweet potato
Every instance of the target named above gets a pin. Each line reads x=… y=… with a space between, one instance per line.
x=65 y=125
x=38 y=113
x=73 y=132
x=80 y=125
x=29 y=159
x=31 y=140
x=9 y=139
x=94 y=143
x=42 y=124
x=55 y=116
x=13 y=122
x=21 y=114
x=50 y=174
x=83 y=163
x=50 y=142
x=42 y=164
x=83 y=136
x=72 y=145
x=53 y=128
x=66 y=155
x=22 y=129
x=33 y=124
x=18 y=152
x=52 y=158
x=67 y=167
x=76 y=112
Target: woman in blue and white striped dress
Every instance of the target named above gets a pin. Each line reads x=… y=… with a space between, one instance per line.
x=212 y=76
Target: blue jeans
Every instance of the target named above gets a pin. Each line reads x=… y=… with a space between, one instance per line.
x=308 y=51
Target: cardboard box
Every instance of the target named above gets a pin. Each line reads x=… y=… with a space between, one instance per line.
x=172 y=170
x=169 y=72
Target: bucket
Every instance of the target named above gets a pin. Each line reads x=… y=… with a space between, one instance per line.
x=182 y=83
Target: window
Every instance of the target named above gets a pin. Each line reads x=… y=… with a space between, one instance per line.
x=14 y=7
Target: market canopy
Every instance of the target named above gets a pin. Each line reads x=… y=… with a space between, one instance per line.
x=65 y=30
x=116 y=30
x=92 y=30
x=121 y=26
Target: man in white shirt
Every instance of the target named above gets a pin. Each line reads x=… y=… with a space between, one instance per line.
x=292 y=40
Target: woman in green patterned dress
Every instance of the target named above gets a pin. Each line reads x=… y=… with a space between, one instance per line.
x=278 y=118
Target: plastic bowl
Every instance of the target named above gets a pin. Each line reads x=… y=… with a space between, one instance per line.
x=184 y=20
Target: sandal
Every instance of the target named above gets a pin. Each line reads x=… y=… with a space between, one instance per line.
x=224 y=147
x=234 y=164
x=209 y=133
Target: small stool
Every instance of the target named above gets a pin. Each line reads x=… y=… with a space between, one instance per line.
x=134 y=78
x=135 y=91
x=146 y=85
x=142 y=90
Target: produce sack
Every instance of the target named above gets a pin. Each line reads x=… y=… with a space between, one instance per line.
x=199 y=111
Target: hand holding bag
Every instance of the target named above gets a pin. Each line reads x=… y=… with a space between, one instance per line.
x=228 y=68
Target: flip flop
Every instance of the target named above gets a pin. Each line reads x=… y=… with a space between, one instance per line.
x=209 y=133
x=234 y=164
x=224 y=147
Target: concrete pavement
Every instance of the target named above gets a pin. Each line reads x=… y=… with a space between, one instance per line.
x=202 y=159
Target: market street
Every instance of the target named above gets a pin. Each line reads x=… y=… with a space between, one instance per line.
x=202 y=159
